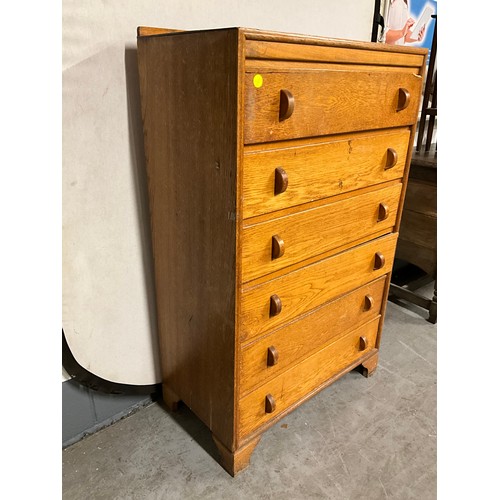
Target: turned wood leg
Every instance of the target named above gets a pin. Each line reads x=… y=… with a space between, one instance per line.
x=170 y=399
x=369 y=366
x=238 y=460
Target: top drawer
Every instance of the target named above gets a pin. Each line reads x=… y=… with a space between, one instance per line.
x=281 y=104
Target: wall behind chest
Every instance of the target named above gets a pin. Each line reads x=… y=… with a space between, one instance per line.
x=108 y=292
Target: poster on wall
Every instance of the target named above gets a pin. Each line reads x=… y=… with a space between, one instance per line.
x=410 y=22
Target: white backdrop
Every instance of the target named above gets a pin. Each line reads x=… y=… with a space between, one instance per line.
x=108 y=295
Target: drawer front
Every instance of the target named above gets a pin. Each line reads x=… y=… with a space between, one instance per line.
x=290 y=104
x=278 y=243
x=297 y=382
x=311 y=286
x=272 y=51
x=276 y=352
x=299 y=172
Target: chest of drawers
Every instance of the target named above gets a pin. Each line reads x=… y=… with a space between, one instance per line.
x=277 y=166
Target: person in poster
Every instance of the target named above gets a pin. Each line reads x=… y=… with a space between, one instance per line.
x=399 y=22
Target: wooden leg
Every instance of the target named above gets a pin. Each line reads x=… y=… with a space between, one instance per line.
x=238 y=460
x=170 y=399
x=369 y=366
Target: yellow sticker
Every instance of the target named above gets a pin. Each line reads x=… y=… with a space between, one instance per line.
x=258 y=81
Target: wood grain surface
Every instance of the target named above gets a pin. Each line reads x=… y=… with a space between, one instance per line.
x=423 y=256
x=236 y=461
x=310 y=286
x=417 y=242
x=188 y=85
x=341 y=54
x=317 y=230
x=421 y=197
x=295 y=383
x=152 y=31
x=257 y=65
x=319 y=169
x=421 y=228
x=308 y=333
x=305 y=40
x=327 y=102
x=277 y=165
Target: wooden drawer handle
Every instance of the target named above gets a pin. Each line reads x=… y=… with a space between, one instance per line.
x=275 y=307
x=383 y=212
x=287 y=104
x=392 y=158
x=403 y=99
x=363 y=343
x=270 y=404
x=272 y=356
x=379 y=261
x=278 y=248
x=280 y=180
x=369 y=302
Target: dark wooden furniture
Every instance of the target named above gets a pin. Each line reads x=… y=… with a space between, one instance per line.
x=276 y=166
x=417 y=243
x=428 y=112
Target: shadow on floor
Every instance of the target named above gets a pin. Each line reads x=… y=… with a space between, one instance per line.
x=193 y=426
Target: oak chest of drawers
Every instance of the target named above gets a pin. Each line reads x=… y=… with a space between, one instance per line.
x=277 y=166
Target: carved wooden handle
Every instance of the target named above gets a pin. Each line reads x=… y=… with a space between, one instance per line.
x=403 y=99
x=368 y=302
x=280 y=180
x=383 y=212
x=270 y=403
x=287 y=104
x=272 y=356
x=379 y=261
x=392 y=158
x=278 y=248
x=275 y=307
x=363 y=343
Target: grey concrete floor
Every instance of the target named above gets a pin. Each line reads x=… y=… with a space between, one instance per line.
x=359 y=438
